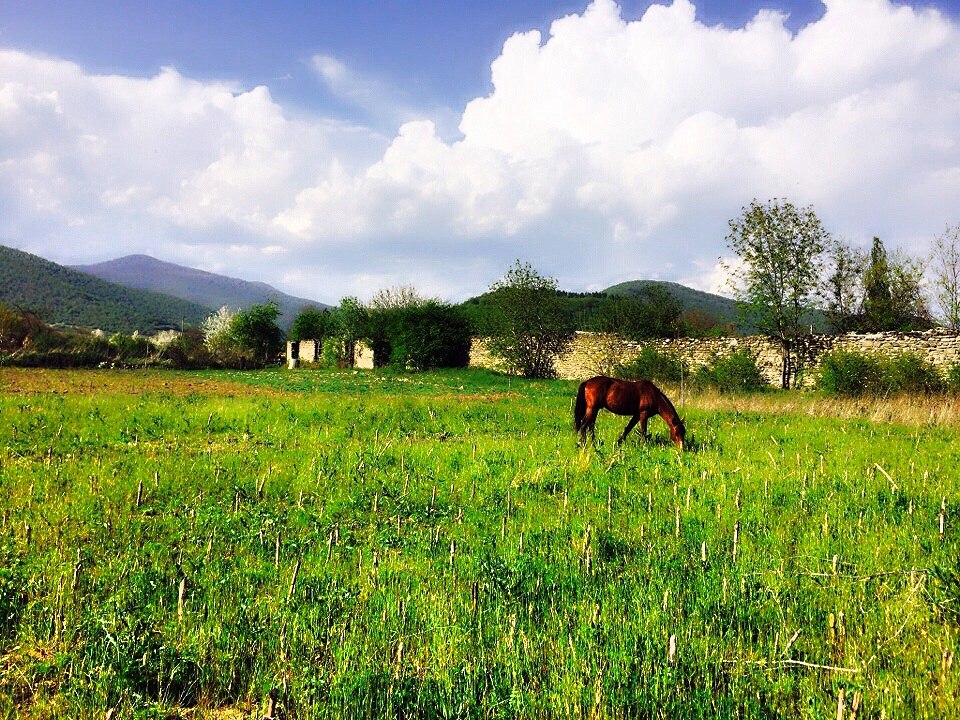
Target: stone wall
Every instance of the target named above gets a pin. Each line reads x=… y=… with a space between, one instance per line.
x=595 y=353
x=598 y=353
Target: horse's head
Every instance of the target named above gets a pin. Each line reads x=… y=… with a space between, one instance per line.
x=678 y=432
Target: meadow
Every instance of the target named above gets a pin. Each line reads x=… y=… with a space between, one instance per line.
x=323 y=544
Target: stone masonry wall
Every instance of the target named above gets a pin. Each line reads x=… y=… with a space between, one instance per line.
x=595 y=353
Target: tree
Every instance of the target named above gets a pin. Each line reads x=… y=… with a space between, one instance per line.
x=912 y=312
x=945 y=262
x=257 y=334
x=429 y=335
x=878 y=309
x=312 y=324
x=399 y=296
x=218 y=337
x=349 y=323
x=526 y=325
x=843 y=288
x=780 y=247
x=893 y=296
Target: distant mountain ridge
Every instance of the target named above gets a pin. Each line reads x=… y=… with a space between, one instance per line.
x=723 y=309
x=65 y=296
x=209 y=289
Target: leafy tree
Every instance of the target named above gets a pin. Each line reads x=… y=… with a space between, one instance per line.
x=430 y=335
x=312 y=324
x=893 y=294
x=843 y=288
x=780 y=247
x=945 y=262
x=526 y=324
x=218 y=337
x=878 y=308
x=384 y=317
x=349 y=326
x=400 y=296
x=257 y=334
x=906 y=290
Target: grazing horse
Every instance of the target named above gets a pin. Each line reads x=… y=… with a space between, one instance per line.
x=641 y=399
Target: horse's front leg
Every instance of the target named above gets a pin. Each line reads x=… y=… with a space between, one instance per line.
x=626 y=431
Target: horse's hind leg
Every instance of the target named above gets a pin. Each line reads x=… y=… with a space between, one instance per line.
x=588 y=422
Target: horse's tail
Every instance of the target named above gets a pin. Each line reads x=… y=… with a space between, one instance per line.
x=580 y=406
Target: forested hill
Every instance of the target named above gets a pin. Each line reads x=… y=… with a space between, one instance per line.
x=64 y=296
x=670 y=308
x=208 y=289
x=723 y=309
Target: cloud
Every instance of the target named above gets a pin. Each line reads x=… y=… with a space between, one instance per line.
x=607 y=150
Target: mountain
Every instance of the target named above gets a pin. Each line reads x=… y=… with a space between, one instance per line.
x=206 y=288
x=722 y=309
x=65 y=296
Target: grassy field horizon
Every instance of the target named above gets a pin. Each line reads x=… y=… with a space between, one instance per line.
x=382 y=544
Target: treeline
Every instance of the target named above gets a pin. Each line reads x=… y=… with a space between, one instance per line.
x=246 y=339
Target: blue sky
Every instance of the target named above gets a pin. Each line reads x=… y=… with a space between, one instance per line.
x=338 y=148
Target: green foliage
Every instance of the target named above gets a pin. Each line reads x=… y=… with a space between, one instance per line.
x=129 y=348
x=257 y=334
x=843 y=287
x=351 y=324
x=188 y=351
x=953 y=377
x=780 y=248
x=334 y=353
x=844 y=372
x=432 y=335
x=13 y=593
x=526 y=326
x=312 y=324
x=893 y=296
x=736 y=372
x=911 y=373
x=654 y=364
x=945 y=267
x=640 y=309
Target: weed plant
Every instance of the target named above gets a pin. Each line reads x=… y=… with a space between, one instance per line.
x=384 y=545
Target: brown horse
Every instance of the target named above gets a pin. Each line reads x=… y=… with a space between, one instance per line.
x=641 y=399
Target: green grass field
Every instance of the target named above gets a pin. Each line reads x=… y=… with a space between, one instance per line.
x=362 y=544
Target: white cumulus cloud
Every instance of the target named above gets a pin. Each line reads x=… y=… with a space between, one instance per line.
x=608 y=149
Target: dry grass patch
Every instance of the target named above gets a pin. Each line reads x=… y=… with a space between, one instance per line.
x=916 y=410
x=40 y=381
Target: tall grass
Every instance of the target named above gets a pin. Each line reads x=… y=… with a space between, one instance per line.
x=385 y=545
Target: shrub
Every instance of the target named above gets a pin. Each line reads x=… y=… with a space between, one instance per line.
x=953 y=378
x=336 y=353
x=737 y=372
x=843 y=372
x=910 y=373
x=130 y=347
x=432 y=335
x=653 y=364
